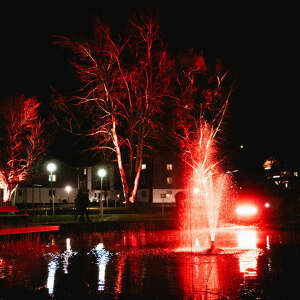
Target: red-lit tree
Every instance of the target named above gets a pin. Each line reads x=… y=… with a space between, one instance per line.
x=22 y=141
x=124 y=84
x=200 y=114
x=201 y=108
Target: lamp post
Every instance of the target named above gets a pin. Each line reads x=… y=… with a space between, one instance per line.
x=101 y=173
x=68 y=189
x=51 y=167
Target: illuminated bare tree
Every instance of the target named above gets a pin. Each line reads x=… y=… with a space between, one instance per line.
x=22 y=142
x=124 y=83
x=201 y=112
x=201 y=109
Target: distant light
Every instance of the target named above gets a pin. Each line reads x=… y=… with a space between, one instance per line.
x=101 y=172
x=267 y=205
x=68 y=189
x=51 y=167
x=144 y=166
x=196 y=190
x=246 y=210
x=241 y=146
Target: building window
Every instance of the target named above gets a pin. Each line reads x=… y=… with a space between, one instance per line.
x=284 y=173
x=144 y=166
x=162 y=195
x=169 y=167
x=169 y=180
x=52 y=177
x=169 y=194
x=84 y=171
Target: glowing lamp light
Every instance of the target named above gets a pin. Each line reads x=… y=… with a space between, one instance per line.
x=246 y=210
x=267 y=205
x=51 y=167
x=68 y=189
x=101 y=173
x=196 y=190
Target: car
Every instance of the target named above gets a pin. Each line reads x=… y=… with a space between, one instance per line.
x=255 y=201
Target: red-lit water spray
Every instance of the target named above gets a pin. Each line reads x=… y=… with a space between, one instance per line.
x=208 y=188
x=199 y=133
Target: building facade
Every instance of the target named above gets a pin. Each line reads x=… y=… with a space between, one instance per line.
x=161 y=178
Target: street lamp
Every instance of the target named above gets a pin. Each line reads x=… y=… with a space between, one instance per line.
x=68 y=189
x=101 y=173
x=51 y=167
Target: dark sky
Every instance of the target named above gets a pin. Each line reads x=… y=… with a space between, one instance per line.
x=257 y=41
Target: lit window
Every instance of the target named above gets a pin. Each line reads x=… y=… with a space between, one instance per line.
x=144 y=166
x=84 y=171
x=284 y=173
x=296 y=174
x=52 y=177
x=169 y=167
x=169 y=180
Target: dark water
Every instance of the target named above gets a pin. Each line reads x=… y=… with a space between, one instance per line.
x=152 y=264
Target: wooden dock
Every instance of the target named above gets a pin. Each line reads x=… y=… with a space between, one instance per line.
x=29 y=229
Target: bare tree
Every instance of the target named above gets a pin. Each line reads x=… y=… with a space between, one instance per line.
x=201 y=109
x=22 y=142
x=124 y=84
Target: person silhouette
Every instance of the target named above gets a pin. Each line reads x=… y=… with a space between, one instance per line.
x=81 y=204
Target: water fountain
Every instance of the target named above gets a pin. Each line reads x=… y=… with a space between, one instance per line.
x=208 y=191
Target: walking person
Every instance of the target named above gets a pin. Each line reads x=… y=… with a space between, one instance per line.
x=81 y=204
x=85 y=205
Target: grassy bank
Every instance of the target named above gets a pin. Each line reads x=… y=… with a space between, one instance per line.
x=110 y=214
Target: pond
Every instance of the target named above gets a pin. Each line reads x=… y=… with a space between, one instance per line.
x=140 y=263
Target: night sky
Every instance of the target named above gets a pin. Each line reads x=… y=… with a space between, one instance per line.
x=258 y=43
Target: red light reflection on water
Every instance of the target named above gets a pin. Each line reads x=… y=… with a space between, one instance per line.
x=207 y=276
x=247 y=240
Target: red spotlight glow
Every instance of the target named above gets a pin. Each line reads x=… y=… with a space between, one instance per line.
x=246 y=210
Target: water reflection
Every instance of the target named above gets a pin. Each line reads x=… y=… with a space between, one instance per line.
x=67 y=254
x=133 y=262
x=247 y=240
x=102 y=257
x=52 y=267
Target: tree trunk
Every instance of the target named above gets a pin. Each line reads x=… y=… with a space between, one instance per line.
x=138 y=166
x=119 y=160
